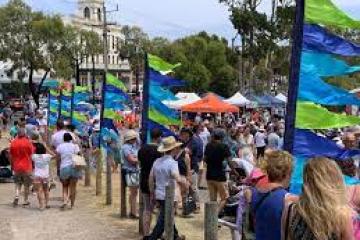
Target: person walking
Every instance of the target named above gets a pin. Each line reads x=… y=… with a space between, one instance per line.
x=322 y=211
x=194 y=144
x=21 y=150
x=260 y=143
x=130 y=168
x=165 y=170
x=273 y=139
x=247 y=146
x=216 y=157
x=69 y=175
x=58 y=137
x=147 y=155
x=14 y=130
x=41 y=174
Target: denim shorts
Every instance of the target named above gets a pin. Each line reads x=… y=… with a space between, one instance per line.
x=69 y=172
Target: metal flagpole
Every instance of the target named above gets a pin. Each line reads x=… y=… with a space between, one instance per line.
x=294 y=76
x=72 y=103
x=145 y=102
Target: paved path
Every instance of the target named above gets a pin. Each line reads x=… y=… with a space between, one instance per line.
x=83 y=222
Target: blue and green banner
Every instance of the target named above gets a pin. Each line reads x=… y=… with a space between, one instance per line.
x=53 y=107
x=115 y=99
x=318 y=53
x=81 y=107
x=66 y=104
x=157 y=85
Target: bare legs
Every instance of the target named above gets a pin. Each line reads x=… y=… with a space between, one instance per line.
x=72 y=191
x=132 y=200
x=69 y=192
x=42 y=191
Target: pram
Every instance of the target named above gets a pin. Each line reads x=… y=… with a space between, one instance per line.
x=5 y=168
x=235 y=214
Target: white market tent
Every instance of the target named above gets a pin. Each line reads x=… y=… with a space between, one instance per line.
x=281 y=97
x=184 y=99
x=238 y=100
x=187 y=96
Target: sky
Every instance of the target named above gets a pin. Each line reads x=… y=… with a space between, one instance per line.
x=171 y=18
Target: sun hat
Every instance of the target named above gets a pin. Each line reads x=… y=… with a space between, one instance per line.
x=168 y=143
x=130 y=135
x=255 y=176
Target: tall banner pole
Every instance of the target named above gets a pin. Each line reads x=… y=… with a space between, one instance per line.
x=145 y=103
x=48 y=118
x=102 y=108
x=60 y=104
x=72 y=103
x=294 y=76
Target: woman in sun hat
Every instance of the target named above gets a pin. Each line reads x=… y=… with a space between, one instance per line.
x=130 y=167
x=165 y=170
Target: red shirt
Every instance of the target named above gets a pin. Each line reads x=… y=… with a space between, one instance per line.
x=21 y=150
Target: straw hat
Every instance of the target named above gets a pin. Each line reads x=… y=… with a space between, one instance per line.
x=168 y=143
x=130 y=135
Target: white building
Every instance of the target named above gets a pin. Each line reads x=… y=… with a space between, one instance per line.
x=89 y=16
x=8 y=78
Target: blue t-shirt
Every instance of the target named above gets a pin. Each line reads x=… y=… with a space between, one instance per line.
x=32 y=121
x=268 y=214
x=126 y=150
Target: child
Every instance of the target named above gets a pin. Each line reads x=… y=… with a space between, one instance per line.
x=14 y=129
x=41 y=174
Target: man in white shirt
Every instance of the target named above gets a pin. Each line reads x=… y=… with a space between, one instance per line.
x=260 y=143
x=165 y=171
x=58 y=137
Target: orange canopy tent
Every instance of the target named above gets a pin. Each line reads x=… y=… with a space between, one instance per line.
x=210 y=104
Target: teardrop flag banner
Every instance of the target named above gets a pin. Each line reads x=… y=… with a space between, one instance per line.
x=317 y=53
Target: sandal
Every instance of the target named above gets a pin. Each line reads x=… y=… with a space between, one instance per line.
x=63 y=206
x=25 y=204
x=133 y=216
x=16 y=202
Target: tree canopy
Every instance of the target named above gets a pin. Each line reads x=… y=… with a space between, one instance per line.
x=34 y=41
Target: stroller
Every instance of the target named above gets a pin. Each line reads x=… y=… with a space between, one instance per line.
x=5 y=166
x=236 y=214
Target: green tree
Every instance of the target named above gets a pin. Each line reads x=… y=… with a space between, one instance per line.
x=261 y=36
x=29 y=40
x=73 y=49
x=133 y=48
x=207 y=62
x=93 y=47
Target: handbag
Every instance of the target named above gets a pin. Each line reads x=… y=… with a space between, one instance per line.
x=78 y=161
x=189 y=205
x=132 y=177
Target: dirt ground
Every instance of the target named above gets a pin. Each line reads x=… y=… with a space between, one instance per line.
x=91 y=219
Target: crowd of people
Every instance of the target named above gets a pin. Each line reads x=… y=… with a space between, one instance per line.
x=225 y=157
x=33 y=158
